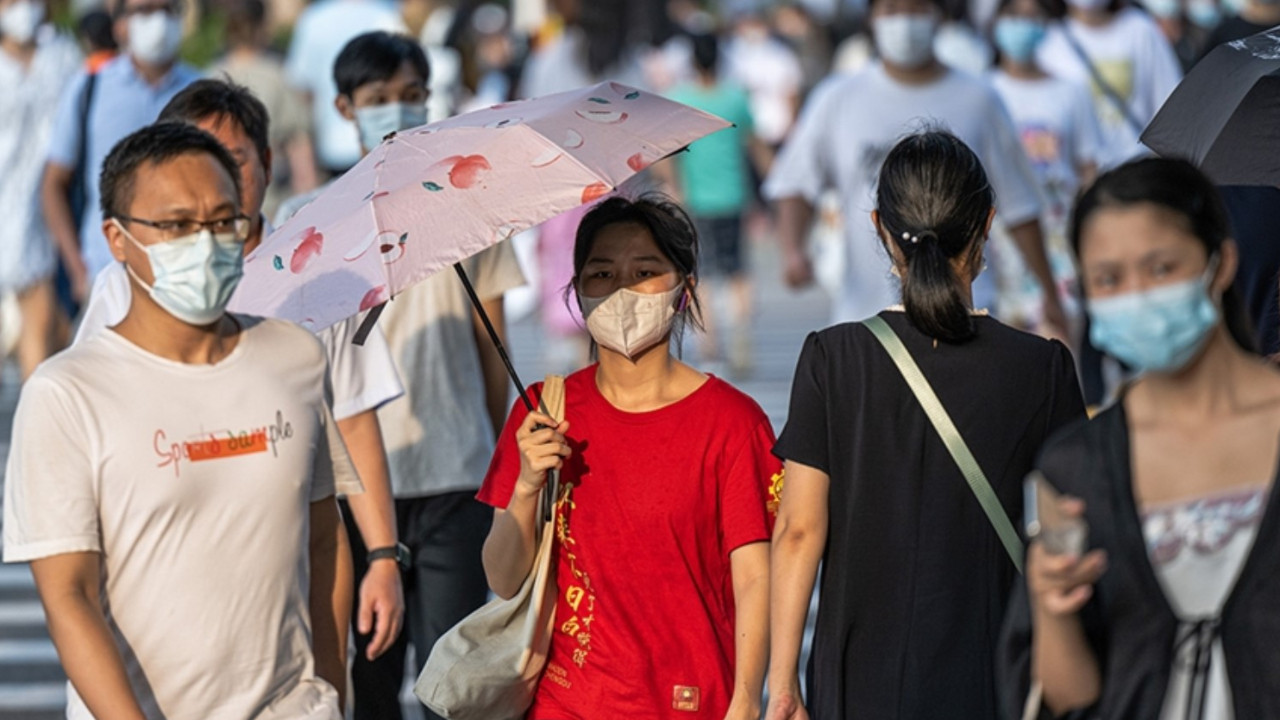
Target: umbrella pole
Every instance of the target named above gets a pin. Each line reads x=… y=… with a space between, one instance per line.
x=493 y=335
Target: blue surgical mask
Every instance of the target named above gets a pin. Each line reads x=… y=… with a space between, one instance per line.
x=1017 y=38
x=1156 y=330
x=195 y=275
x=1204 y=13
x=378 y=121
x=905 y=40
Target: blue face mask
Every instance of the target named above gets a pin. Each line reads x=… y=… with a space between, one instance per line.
x=1017 y=38
x=1157 y=330
x=1204 y=14
x=379 y=121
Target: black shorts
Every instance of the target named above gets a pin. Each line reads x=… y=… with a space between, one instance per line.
x=720 y=240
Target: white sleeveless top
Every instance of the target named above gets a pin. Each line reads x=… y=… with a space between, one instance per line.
x=1197 y=548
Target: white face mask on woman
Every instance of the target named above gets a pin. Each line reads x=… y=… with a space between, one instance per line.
x=906 y=40
x=630 y=322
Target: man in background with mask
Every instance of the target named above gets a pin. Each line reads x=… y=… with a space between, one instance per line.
x=95 y=113
x=440 y=435
x=849 y=125
x=35 y=65
x=363 y=377
x=172 y=479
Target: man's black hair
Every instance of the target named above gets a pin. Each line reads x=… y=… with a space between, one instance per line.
x=155 y=144
x=377 y=56
x=221 y=100
x=95 y=28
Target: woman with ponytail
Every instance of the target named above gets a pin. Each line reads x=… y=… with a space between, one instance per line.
x=915 y=577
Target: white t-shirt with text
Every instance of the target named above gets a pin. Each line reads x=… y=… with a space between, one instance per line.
x=847 y=128
x=194 y=484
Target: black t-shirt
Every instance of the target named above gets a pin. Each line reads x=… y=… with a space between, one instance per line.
x=915 y=581
x=1255 y=224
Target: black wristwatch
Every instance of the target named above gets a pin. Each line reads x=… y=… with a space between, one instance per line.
x=398 y=552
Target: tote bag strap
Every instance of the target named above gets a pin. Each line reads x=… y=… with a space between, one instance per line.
x=551 y=403
x=933 y=408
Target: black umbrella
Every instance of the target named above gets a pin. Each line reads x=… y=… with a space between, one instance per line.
x=1225 y=115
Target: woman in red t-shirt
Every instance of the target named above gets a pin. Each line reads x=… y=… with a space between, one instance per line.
x=662 y=554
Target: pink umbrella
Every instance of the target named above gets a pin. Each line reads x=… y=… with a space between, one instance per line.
x=429 y=197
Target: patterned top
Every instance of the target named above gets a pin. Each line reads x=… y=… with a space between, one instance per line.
x=1197 y=548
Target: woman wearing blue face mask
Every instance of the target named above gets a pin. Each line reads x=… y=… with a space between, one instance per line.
x=1059 y=131
x=1172 y=612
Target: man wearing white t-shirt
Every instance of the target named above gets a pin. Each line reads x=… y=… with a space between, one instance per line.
x=848 y=126
x=172 y=480
x=363 y=378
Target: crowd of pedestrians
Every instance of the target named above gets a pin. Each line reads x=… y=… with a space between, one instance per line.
x=214 y=504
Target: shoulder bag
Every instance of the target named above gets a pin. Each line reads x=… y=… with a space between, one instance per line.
x=487 y=666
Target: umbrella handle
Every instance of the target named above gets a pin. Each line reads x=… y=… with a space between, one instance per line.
x=497 y=342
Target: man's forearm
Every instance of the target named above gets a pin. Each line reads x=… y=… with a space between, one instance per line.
x=55 y=202
x=795 y=215
x=374 y=509
x=86 y=648
x=331 y=594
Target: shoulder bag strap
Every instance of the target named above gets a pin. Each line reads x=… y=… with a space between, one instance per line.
x=933 y=408
x=1107 y=89
x=551 y=403
x=80 y=183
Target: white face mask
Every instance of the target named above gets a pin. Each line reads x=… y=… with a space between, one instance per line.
x=906 y=40
x=20 y=21
x=630 y=322
x=154 y=38
x=195 y=275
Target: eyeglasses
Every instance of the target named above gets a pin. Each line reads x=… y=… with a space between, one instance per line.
x=174 y=229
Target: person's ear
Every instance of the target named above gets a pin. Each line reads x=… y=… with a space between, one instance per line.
x=1228 y=263
x=346 y=107
x=116 y=239
x=267 y=158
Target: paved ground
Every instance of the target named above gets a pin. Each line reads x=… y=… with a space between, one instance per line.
x=31 y=684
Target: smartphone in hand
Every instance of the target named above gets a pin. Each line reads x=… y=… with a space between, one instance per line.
x=1059 y=533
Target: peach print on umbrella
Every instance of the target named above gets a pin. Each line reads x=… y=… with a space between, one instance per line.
x=306 y=250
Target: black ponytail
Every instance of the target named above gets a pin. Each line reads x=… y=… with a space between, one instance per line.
x=933 y=202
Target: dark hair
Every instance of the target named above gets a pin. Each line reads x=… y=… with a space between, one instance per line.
x=1187 y=196
x=222 y=100
x=672 y=230
x=934 y=201
x=245 y=19
x=95 y=28
x=157 y=144
x=946 y=6
x=706 y=52
x=1048 y=7
x=376 y=56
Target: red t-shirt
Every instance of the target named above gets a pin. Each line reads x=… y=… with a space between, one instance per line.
x=645 y=609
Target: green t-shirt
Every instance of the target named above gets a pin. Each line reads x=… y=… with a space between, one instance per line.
x=713 y=173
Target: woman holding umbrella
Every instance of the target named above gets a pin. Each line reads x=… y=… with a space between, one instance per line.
x=1172 y=614
x=662 y=564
